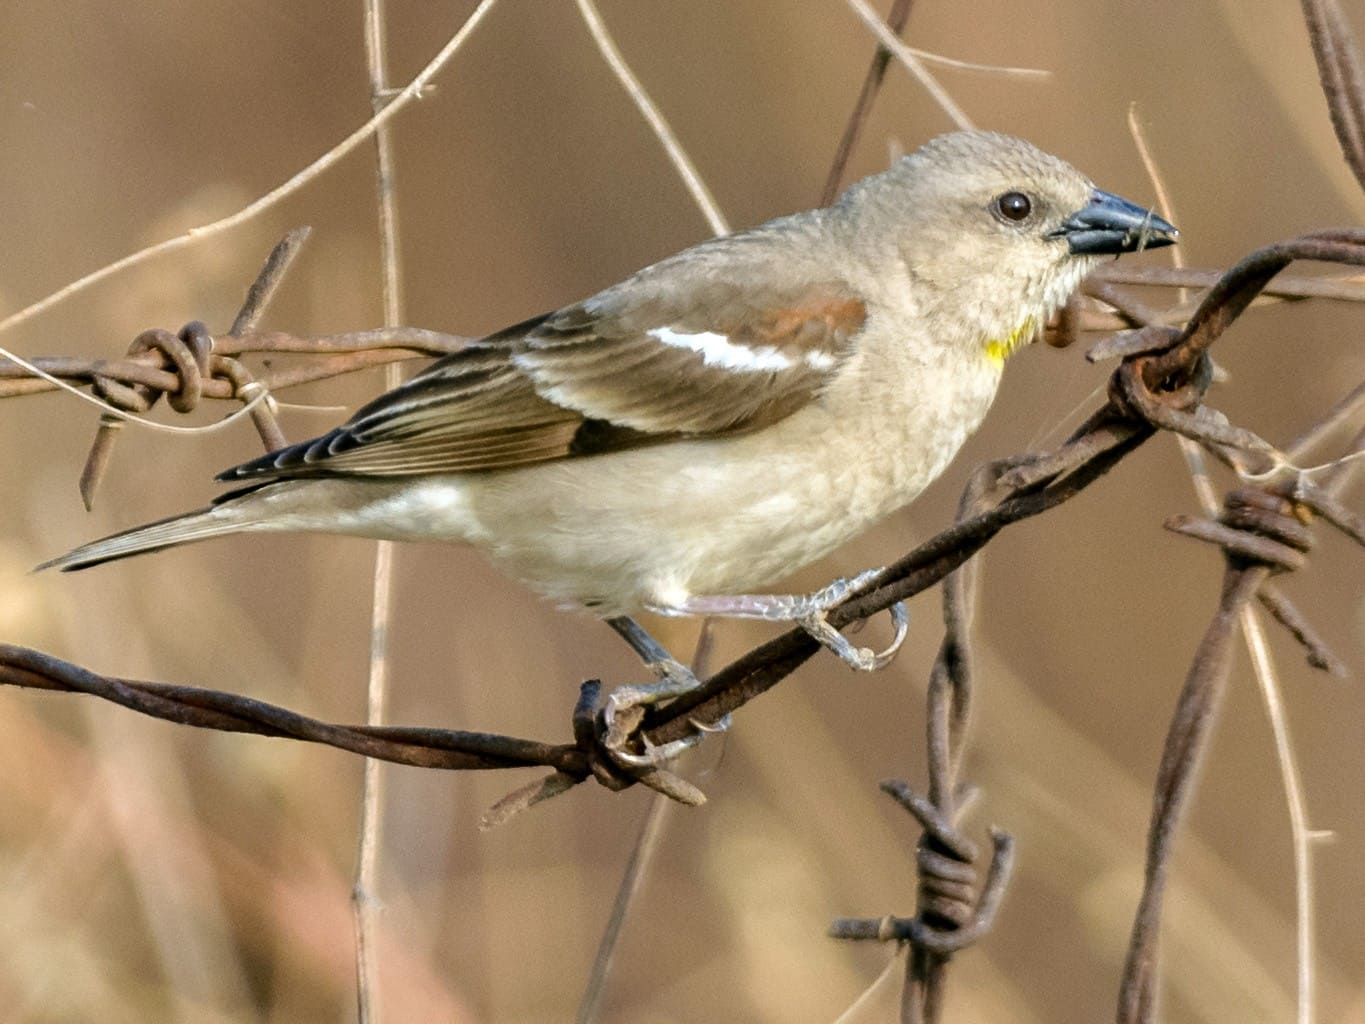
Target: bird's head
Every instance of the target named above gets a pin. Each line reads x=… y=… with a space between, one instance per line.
x=992 y=235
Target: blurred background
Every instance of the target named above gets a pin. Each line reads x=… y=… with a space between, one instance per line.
x=149 y=872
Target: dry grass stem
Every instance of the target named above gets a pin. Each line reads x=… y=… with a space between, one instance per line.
x=310 y=173
x=682 y=163
x=911 y=61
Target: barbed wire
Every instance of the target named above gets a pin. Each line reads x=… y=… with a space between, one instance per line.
x=1159 y=385
x=334 y=355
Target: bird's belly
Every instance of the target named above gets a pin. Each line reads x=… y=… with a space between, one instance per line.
x=651 y=526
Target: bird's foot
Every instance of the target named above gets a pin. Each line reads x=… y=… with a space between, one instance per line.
x=863 y=659
x=809 y=612
x=625 y=708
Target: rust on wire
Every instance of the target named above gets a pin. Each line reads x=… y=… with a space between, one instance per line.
x=1260 y=532
x=191 y=357
x=951 y=914
x=419 y=747
x=1158 y=386
x=190 y=364
x=188 y=352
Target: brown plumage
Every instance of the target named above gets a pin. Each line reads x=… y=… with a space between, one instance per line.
x=592 y=378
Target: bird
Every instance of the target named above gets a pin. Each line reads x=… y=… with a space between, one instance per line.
x=683 y=439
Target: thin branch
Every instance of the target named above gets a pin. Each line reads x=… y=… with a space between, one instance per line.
x=409 y=93
x=912 y=62
x=1345 y=411
x=641 y=857
x=364 y=896
x=701 y=195
x=1263 y=668
x=1339 y=69
x=857 y=118
x=1301 y=834
x=953 y=64
x=642 y=853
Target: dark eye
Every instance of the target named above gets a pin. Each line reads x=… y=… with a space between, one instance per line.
x=1013 y=206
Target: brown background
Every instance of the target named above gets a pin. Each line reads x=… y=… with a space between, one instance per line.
x=153 y=873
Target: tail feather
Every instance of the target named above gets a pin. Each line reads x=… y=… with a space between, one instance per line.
x=185 y=528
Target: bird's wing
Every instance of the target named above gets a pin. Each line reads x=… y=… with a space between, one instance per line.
x=690 y=347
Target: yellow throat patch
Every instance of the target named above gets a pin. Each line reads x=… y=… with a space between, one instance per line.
x=1000 y=349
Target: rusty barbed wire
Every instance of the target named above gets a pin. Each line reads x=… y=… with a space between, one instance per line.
x=951 y=915
x=1014 y=489
x=449 y=749
x=190 y=364
x=190 y=352
x=1159 y=385
x=1261 y=531
x=334 y=355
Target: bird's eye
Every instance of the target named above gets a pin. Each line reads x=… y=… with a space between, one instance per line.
x=1013 y=206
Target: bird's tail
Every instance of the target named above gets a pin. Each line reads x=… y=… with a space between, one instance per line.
x=186 y=528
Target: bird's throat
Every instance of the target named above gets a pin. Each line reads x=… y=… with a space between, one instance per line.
x=1000 y=349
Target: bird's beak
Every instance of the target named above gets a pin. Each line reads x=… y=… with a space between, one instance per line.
x=1109 y=225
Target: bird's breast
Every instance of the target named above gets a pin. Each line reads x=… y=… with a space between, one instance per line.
x=733 y=514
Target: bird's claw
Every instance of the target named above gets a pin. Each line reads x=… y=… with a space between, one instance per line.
x=718 y=726
x=655 y=755
x=624 y=710
x=862 y=659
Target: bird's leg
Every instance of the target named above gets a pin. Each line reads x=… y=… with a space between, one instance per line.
x=807 y=611
x=625 y=705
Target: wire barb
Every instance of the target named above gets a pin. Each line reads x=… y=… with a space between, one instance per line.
x=191 y=357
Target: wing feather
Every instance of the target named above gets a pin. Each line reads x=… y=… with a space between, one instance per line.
x=697 y=345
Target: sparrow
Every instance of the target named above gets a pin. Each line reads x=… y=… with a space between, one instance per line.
x=714 y=422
